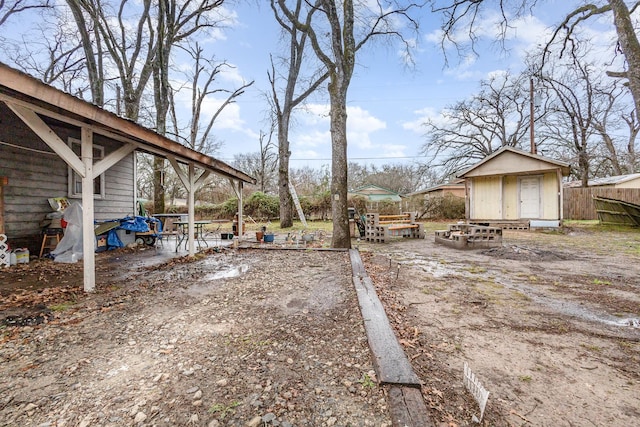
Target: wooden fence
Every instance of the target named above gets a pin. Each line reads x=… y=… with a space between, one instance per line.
x=578 y=202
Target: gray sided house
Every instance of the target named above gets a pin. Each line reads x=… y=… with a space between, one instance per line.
x=53 y=145
x=36 y=173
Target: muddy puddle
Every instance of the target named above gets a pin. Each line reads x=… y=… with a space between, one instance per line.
x=442 y=269
x=568 y=307
x=211 y=273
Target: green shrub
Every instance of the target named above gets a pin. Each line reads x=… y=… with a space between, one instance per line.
x=262 y=206
x=388 y=207
x=359 y=202
x=444 y=207
x=229 y=208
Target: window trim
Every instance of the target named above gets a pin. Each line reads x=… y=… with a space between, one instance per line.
x=72 y=174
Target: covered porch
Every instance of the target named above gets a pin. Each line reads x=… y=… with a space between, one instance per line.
x=52 y=116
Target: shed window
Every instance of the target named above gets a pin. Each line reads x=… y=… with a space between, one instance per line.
x=75 y=180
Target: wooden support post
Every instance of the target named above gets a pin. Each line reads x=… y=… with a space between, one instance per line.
x=88 y=235
x=191 y=190
x=3 y=181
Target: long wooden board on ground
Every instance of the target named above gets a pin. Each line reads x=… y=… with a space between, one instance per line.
x=394 y=371
x=407 y=408
x=393 y=366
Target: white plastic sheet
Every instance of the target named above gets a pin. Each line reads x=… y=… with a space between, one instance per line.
x=69 y=250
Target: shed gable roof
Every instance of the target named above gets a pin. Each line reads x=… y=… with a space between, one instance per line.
x=511 y=161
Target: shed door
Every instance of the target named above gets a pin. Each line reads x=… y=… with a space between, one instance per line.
x=530 y=197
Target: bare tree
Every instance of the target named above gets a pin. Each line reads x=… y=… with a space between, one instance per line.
x=335 y=41
x=632 y=159
x=607 y=120
x=262 y=165
x=496 y=117
x=90 y=41
x=400 y=178
x=175 y=22
x=572 y=118
x=268 y=160
x=291 y=97
x=14 y=7
x=54 y=55
x=465 y=13
x=202 y=86
x=130 y=52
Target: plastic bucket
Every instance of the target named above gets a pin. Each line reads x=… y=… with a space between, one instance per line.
x=268 y=238
x=22 y=256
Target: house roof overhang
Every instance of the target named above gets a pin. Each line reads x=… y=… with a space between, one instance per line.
x=19 y=88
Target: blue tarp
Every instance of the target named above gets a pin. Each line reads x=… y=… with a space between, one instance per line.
x=137 y=224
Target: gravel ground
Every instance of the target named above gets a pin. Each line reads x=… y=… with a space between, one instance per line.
x=241 y=337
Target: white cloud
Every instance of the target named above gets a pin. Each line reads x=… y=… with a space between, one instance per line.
x=311 y=138
x=359 y=120
x=423 y=115
x=306 y=154
x=393 y=150
x=232 y=74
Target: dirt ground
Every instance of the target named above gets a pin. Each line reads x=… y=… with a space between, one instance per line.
x=548 y=322
x=233 y=338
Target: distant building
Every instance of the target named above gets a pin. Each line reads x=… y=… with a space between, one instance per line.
x=455 y=188
x=375 y=195
x=619 y=181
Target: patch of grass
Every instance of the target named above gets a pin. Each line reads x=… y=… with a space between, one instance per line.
x=366 y=381
x=312 y=226
x=247 y=342
x=601 y=282
x=224 y=410
x=532 y=279
x=63 y=306
x=594 y=348
x=476 y=269
x=522 y=296
x=430 y=290
x=627 y=345
x=525 y=378
x=491 y=283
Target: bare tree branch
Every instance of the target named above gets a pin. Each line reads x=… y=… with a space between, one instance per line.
x=14 y=7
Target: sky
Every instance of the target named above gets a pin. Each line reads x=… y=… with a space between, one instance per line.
x=387 y=101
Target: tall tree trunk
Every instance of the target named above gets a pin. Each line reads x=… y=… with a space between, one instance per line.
x=161 y=96
x=339 y=207
x=286 y=201
x=628 y=40
x=93 y=60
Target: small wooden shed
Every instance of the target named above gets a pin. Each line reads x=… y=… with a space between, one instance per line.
x=515 y=189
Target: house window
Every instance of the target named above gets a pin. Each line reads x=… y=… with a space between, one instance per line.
x=75 y=180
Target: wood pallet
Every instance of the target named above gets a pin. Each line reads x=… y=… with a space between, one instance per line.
x=379 y=228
